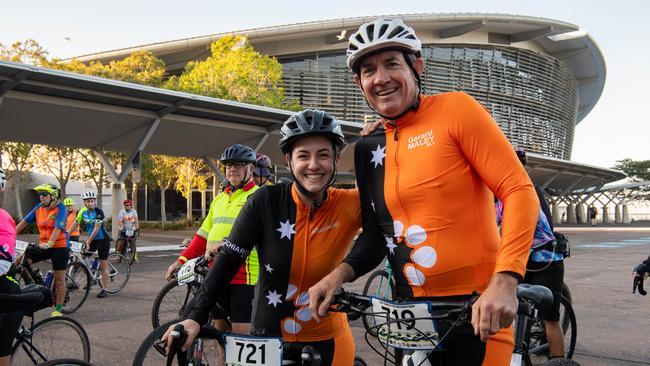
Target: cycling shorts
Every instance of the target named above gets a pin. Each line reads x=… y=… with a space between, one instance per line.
x=122 y=236
x=102 y=246
x=551 y=275
x=338 y=351
x=59 y=256
x=9 y=322
x=237 y=301
x=74 y=238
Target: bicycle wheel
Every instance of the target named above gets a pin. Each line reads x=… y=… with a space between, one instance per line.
x=65 y=362
x=538 y=351
x=130 y=251
x=152 y=352
x=565 y=318
x=77 y=283
x=119 y=271
x=380 y=285
x=171 y=301
x=358 y=361
x=51 y=338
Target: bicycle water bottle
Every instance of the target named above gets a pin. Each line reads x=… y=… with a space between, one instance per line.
x=95 y=263
x=48 y=279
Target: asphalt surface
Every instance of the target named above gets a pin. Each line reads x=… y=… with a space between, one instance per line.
x=612 y=322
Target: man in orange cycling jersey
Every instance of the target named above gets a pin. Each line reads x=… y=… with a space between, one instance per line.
x=302 y=231
x=426 y=179
x=50 y=217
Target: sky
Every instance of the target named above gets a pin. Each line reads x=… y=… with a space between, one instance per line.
x=617 y=128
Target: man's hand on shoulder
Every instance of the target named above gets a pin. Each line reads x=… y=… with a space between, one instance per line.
x=497 y=307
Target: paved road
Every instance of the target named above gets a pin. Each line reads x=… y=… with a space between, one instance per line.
x=612 y=323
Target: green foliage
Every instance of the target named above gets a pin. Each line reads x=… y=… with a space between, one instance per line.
x=189 y=177
x=28 y=52
x=174 y=225
x=636 y=169
x=234 y=71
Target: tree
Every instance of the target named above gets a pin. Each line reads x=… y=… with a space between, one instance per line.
x=91 y=168
x=27 y=52
x=234 y=71
x=189 y=178
x=638 y=170
x=160 y=169
x=18 y=155
x=60 y=161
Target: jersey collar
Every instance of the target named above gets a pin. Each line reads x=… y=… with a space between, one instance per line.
x=247 y=187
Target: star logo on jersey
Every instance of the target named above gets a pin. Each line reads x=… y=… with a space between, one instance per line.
x=274 y=298
x=390 y=245
x=286 y=229
x=268 y=267
x=378 y=156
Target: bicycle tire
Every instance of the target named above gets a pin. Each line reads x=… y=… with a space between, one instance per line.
x=52 y=338
x=77 y=283
x=119 y=271
x=381 y=278
x=65 y=362
x=151 y=353
x=176 y=296
x=566 y=293
x=130 y=250
x=358 y=361
x=537 y=351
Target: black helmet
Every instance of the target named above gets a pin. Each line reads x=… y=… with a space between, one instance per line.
x=521 y=154
x=310 y=122
x=238 y=153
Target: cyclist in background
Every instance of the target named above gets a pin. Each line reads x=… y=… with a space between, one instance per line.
x=50 y=217
x=237 y=300
x=72 y=215
x=302 y=231
x=427 y=177
x=98 y=237
x=127 y=220
x=545 y=267
x=9 y=322
x=262 y=173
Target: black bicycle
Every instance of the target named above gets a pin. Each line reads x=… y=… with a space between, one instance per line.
x=172 y=300
x=406 y=333
x=239 y=350
x=77 y=278
x=127 y=246
x=51 y=341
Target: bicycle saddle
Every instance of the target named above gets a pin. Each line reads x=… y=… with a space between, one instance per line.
x=541 y=296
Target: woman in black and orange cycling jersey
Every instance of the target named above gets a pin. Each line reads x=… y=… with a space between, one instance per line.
x=302 y=231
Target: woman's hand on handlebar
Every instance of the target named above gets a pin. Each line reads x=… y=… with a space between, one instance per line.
x=192 y=329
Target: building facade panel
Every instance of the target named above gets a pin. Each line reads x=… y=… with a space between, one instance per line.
x=533 y=96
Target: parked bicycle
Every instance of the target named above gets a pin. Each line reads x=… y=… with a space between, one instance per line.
x=48 y=341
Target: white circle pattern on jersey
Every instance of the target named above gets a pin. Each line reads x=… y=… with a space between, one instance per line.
x=425 y=256
x=304 y=314
x=415 y=235
x=291 y=291
x=292 y=327
x=303 y=299
x=398 y=227
x=413 y=275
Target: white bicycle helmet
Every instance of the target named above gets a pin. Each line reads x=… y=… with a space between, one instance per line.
x=3 y=179
x=88 y=195
x=381 y=34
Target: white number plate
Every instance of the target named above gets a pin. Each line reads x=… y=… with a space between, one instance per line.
x=129 y=233
x=76 y=247
x=21 y=246
x=244 y=350
x=405 y=331
x=186 y=273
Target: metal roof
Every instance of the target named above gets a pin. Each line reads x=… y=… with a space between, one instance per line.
x=562 y=40
x=52 y=107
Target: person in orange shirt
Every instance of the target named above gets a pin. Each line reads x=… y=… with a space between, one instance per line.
x=301 y=231
x=427 y=177
x=50 y=217
x=72 y=215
